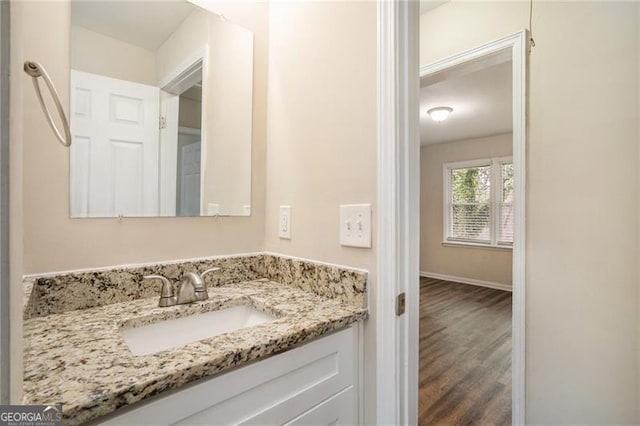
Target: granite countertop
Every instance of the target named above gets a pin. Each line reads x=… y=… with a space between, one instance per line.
x=79 y=359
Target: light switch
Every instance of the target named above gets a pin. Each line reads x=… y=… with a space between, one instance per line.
x=284 y=223
x=355 y=225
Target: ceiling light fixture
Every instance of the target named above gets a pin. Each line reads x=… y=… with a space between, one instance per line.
x=439 y=114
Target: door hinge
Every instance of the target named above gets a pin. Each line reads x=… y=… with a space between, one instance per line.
x=400 y=304
x=163 y=122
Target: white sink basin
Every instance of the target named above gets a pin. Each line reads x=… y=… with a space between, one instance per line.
x=163 y=335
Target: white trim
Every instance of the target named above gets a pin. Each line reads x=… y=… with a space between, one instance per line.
x=481 y=162
x=497 y=47
x=359 y=367
x=518 y=360
x=168 y=138
x=516 y=45
x=204 y=112
x=468 y=244
x=182 y=130
x=462 y=280
x=398 y=220
x=191 y=71
x=495 y=164
x=185 y=75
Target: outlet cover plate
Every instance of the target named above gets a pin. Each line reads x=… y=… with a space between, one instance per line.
x=284 y=222
x=355 y=225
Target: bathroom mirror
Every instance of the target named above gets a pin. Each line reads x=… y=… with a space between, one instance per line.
x=161 y=111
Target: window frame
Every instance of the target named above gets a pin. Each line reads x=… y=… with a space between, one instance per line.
x=495 y=201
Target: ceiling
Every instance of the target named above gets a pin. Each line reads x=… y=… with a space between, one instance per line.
x=141 y=23
x=427 y=5
x=481 y=102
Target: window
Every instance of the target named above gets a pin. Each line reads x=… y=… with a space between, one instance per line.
x=479 y=202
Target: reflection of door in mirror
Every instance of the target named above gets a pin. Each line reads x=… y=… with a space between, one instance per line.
x=181 y=148
x=189 y=170
x=161 y=111
x=114 y=168
x=189 y=196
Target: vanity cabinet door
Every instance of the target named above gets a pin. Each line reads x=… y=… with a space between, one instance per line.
x=340 y=409
x=316 y=379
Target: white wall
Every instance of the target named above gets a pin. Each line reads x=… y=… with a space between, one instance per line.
x=52 y=241
x=188 y=39
x=16 y=218
x=485 y=264
x=582 y=201
x=228 y=98
x=99 y=54
x=322 y=134
x=227 y=118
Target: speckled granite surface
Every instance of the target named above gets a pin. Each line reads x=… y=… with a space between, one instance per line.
x=345 y=285
x=78 y=358
x=58 y=293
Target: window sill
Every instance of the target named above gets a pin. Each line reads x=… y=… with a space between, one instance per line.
x=476 y=245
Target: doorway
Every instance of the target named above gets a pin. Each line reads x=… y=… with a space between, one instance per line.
x=466 y=238
x=509 y=49
x=182 y=107
x=398 y=212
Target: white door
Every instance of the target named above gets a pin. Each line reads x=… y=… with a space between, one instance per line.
x=190 y=180
x=114 y=154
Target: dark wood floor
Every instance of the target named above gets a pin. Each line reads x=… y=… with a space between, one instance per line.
x=465 y=354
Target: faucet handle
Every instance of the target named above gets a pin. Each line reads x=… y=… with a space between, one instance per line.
x=199 y=284
x=167 y=296
x=214 y=269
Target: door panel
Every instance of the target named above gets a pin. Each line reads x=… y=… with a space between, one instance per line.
x=128 y=180
x=114 y=155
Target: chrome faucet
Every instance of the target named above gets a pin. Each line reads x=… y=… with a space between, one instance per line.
x=190 y=289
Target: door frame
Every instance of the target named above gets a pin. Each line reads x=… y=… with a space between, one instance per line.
x=513 y=45
x=168 y=152
x=191 y=70
x=398 y=212
x=398 y=222
x=187 y=131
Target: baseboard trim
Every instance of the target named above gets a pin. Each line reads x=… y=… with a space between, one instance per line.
x=470 y=281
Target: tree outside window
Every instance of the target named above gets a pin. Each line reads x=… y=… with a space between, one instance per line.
x=480 y=202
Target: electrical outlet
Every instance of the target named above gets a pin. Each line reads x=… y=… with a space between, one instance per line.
x=284 y=222
x=355 y=225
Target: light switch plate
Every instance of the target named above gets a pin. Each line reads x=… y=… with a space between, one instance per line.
x=355 y=225
x=284 y=222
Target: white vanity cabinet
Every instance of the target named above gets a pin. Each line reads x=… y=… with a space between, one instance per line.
x=316 y=383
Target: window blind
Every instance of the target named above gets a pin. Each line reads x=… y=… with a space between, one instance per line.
x=505 y=231
x=480 y=202
x=470 y=207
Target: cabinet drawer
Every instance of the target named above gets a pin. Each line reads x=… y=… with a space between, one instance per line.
x=272 y=391
x=340 y=409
